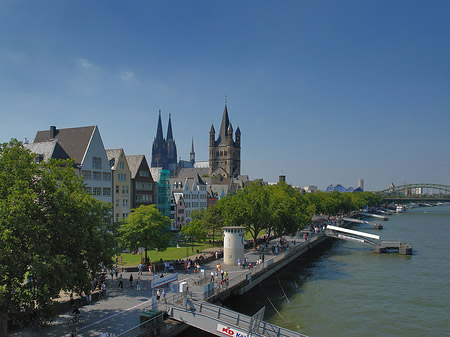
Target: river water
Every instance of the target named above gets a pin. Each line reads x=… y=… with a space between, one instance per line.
x=344 y=289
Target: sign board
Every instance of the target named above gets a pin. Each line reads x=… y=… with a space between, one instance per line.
x=164 y=280
x=232 y=332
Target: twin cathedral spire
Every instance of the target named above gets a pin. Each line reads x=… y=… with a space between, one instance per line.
x=224 y=152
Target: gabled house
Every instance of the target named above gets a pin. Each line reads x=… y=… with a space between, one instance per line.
x=121 y=183
x=180 y=212
x=85 y=146
x=47 y=150
x=143 y=187
x=193 y=189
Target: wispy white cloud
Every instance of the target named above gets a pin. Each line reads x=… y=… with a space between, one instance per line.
x=85 y=63
x=127 y=75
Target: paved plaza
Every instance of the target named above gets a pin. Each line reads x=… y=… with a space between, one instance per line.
x=120 y=310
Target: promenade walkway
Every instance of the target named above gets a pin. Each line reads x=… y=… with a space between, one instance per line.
x=120 y=310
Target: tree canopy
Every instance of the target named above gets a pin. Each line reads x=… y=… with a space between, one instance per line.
x=53 y=235
x=145 y=227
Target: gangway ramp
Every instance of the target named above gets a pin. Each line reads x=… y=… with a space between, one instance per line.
x=221 y=321
x=374 y=224
x=379 y=246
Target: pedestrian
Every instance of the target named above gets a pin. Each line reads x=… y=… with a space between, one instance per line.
x=131 y=280
x=158 y=295
x=120 y=285
x=140 y=269
x=222 y=273
x=163 y=295
x=138 y=283
x=112 y=334
x=74 y=333
x=116 y=271
x=103 y=333
x=212 y=276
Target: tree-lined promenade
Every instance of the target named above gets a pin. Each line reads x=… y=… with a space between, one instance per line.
x=56 y=237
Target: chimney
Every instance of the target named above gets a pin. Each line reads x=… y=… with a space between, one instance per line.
x=52 y=132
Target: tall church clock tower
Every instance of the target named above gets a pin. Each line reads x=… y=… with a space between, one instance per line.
x=224 y=152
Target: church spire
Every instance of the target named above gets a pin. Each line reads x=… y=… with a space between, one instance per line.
x=192 y=155
x=169 y=129
x=159 y=132
x=224 y=126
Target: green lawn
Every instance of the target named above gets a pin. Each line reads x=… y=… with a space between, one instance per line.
x=170 y=254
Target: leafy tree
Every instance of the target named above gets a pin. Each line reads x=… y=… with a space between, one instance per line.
x=145 y=227
x=212 y=220
x=247 y=208
x=195 y=229
x=53 y=236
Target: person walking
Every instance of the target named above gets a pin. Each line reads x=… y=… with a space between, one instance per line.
x=103 y=333
x=131 y=280
x=74 y=333
x=158 y=295
x=163 y=295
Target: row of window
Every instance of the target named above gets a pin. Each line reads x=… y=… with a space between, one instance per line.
x=195 y=204
x=194 y=196
x=124 y=203
x=125 y=189
x=141 y=186
x=97 y=176
x=98 y=191
x=121 y=177
x=96 y=162
x=144 y=198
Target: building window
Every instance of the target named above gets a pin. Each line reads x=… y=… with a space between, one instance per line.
x=124 y=202
x=124 y=189
x=107 y=191
x=122 y=177
x=144 y=173
x=117 y=189
x=117 y=202
x=97 y=191
x=106 y=176
x=121 y=165
x=141 y=186
x=86 y=175
x=88 y=190
x=96 y=162
x=117 y=217
x=97 y=175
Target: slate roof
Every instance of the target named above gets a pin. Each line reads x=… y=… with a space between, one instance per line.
x=113 y=154
x=47 y=150
x=74 y=141
x=134 y=162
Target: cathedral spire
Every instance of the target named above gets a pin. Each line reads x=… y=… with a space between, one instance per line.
x=159 y=132
x=169 y=129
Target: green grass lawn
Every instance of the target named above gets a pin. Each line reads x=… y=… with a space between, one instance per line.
x=170 y=254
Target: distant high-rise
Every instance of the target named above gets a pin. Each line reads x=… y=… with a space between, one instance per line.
x=164 y=151
x=225 y=153
x=361 y=184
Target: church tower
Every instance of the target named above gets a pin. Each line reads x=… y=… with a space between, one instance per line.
x=224 y=152
x=171 y=148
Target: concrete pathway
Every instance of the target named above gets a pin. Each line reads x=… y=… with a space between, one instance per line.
x=120 y=310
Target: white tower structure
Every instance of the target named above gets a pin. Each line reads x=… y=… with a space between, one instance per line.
x=233 y=245
x=361 y=184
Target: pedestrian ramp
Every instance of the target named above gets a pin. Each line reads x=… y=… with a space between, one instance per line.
x=221 y=321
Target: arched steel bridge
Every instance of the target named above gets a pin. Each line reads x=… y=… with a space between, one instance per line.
x=417 y=192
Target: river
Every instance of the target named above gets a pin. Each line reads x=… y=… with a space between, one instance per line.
x=343 y=289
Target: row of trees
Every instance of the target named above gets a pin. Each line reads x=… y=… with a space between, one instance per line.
x=54 y=236
x=277 y=209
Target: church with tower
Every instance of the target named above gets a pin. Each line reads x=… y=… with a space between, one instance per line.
x=164 y=151
x=225 y=152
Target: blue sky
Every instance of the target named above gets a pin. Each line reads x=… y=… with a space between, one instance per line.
x=326 y=92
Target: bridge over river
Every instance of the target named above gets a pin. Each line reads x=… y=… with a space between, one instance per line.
x=418 y=192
